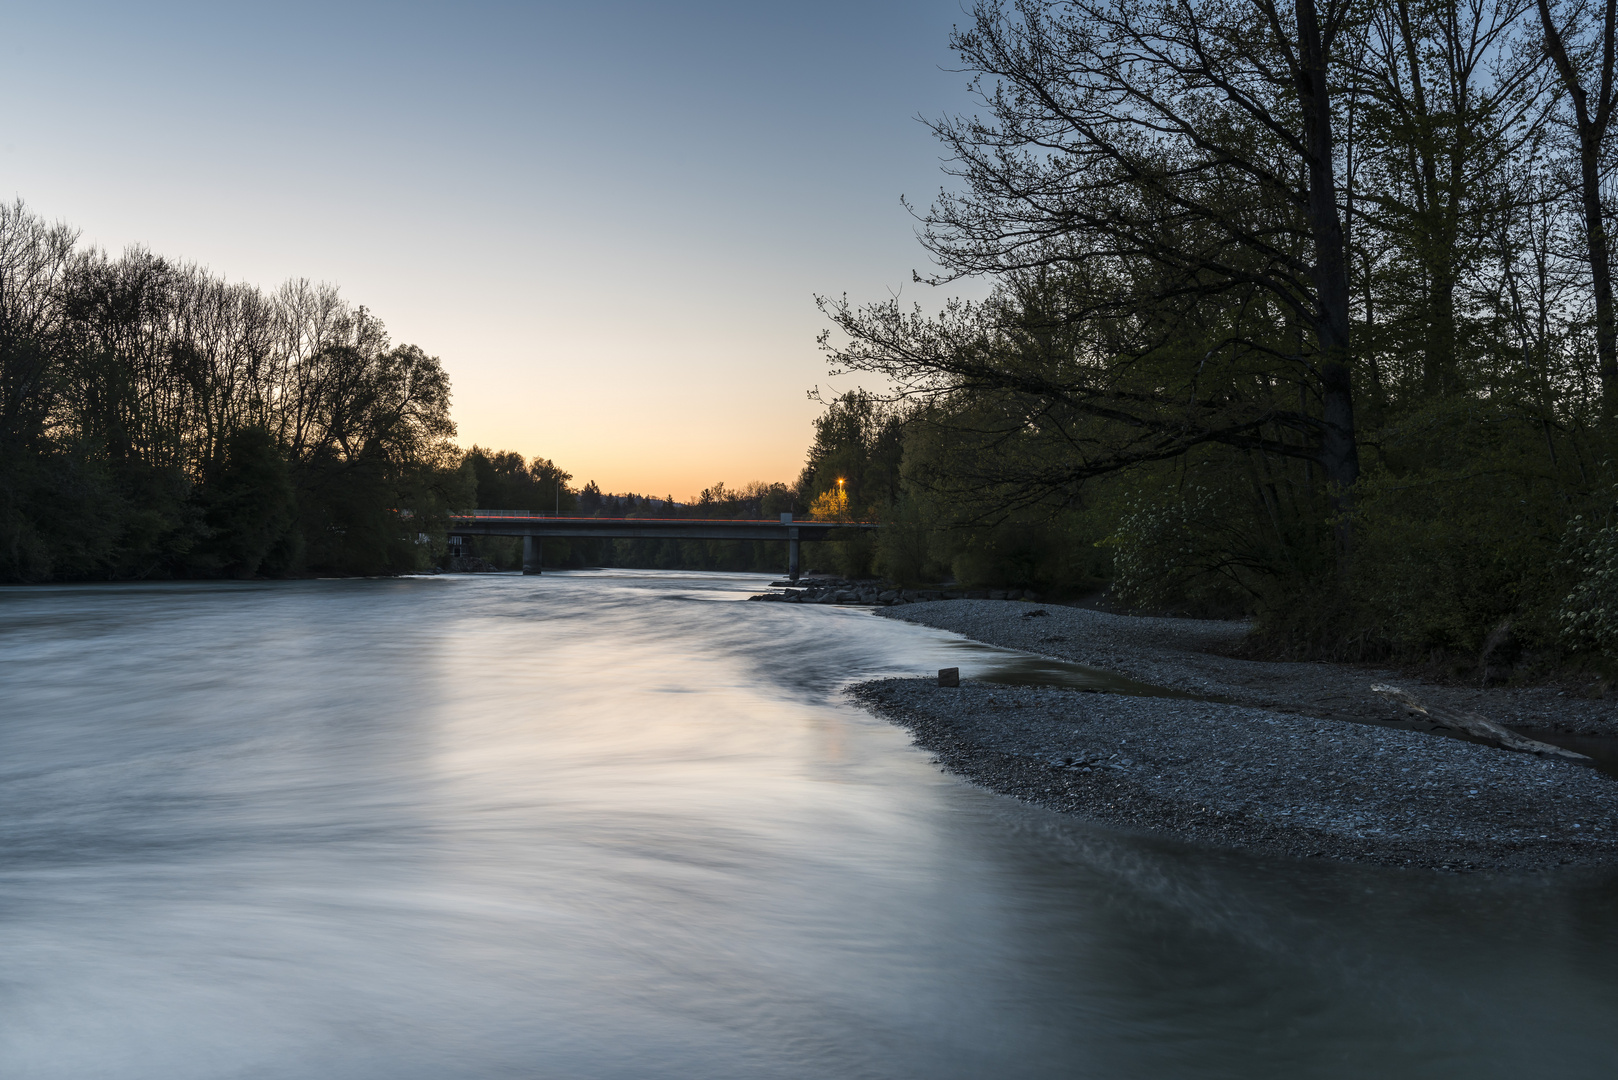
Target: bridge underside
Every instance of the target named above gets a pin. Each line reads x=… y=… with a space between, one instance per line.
x=532 y=529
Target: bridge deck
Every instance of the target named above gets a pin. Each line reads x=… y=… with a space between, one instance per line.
x=482 y=523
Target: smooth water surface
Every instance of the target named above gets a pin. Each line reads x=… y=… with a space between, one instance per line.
x=620 y=824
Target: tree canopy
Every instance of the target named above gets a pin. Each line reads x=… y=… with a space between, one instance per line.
x=1302 y=310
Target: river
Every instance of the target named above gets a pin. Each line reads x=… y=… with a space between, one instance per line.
x=618 y=824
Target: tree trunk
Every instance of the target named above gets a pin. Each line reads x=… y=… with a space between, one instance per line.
x=1477 y=726
x=1440 y=377
x=1339 y=451
x=1595 y=231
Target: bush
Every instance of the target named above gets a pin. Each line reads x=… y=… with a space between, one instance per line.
x=1587 y=619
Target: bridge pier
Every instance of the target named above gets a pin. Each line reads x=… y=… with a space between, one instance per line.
x=532 y=551
x=792 y=548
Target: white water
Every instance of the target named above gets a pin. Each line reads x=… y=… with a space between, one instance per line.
x=620 y=825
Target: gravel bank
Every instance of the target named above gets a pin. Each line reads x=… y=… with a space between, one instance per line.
x=1191 y=655
x=1247 y=777
x=1278 y=770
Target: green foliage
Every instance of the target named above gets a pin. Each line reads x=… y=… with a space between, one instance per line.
x=1587 y=618
x=251 y=505
x=904 y=545
x=1459 y=530
x=1052 y=555
x=506 y=481
x=61 y=515
x=156 y=421
x=858 y=441
x=1166 y=554
x=1375 y=421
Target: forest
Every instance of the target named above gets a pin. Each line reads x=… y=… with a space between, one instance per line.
x=160 y=422
x=157 y=421
x=1299 y=312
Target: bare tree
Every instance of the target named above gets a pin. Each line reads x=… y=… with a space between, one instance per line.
x=35 y=259
x=1582 y=40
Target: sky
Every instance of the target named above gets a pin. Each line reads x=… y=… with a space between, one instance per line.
x=608 y=220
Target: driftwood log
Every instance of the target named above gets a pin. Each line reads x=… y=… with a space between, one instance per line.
x=1472 y=724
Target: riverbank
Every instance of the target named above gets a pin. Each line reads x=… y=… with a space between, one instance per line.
x=1291 y=762
x=1195 y=656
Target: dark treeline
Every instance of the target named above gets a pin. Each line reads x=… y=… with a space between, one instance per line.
x=157 y=421
x=1304 y=311
x=505 y=481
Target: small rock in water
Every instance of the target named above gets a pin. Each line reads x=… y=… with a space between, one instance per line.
x=949 y=676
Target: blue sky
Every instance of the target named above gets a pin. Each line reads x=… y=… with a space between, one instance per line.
x=608 y=220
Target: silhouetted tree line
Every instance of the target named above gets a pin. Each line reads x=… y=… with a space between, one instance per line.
x=1303 y=311
x=158 y=421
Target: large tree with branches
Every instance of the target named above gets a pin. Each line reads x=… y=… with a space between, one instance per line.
x=1155 y=188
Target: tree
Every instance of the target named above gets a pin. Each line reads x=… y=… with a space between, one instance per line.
x=147 y=408
x=1155 y=188
x=1446 y=104
x=1582 y=44
x=251 y=505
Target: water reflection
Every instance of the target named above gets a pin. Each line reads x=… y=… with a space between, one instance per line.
x=614 y=824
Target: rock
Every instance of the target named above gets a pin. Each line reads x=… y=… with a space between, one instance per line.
x=949 y=676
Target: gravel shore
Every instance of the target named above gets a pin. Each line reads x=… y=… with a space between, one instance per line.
x=1193 y=655
x=1289 y=765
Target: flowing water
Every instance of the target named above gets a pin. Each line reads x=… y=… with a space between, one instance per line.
x=619 y=824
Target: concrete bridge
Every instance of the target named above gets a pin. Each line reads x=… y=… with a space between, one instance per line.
x=536 y=526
